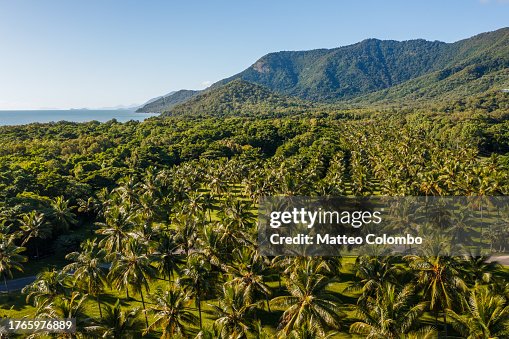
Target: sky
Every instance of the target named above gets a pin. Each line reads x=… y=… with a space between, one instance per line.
x=103 y=53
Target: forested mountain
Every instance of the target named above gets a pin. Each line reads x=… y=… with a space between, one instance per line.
x=166 y=102
x=380 y=71
x=239 y=97
x=477 y=63
x=345 y=72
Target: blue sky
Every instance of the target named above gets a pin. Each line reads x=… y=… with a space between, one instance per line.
x=98 y=53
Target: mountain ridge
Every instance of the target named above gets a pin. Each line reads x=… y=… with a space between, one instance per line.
x=374 y=70
x=157 y=105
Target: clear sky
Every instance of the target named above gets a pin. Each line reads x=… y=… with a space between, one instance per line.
x=98 y=53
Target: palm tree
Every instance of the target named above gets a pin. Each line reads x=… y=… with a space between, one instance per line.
x=128 y=190
x=477 y=268
x=116 y=229
x=167 y=258
x=373 y=273
x=232 y=316
x=48 y=285
x=171 y=312
x=89 y=207
x=237 y=213
x=441 y=281
x=247 y=272
x=196 y=275
x=10 y=257
x=118 y=324
x=487 y=315
x=210 y=247
x=132 y=268
x=67 y=307
x=390 y=314
x=32 y=225
x=62 y=214
x=186 y=226
x=307 y=332
x=309 y=301
x=86 y=269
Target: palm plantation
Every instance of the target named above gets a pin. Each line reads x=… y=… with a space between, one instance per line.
x=162 y=241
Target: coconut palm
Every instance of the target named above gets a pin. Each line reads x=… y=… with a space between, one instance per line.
x=237 y=213
x=171 y=312
x=487 y=315
x=441 y=282
x=33 y=226
x=210 y=246
x=67 y=307
x=48 y=285
x=117 y=324
x=232 y=316
x=247 y=272
x=389 y=314
x=309 y=301
x=62 y=214
x=307 y=332
x=186 y=227
x=86 y=269
x=10 y=257
x=132 y=268
x=197 y=276
x=116 y=228
x=373 y=273
x=477 y=268
x=166 y=255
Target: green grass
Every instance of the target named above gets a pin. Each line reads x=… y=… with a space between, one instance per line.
x=14 y=305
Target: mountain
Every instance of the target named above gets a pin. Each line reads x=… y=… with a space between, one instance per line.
x=168 y=101
x=377 y=71
x=475 y=66
x=157 y=98
x=239 y=97
x=375 y=65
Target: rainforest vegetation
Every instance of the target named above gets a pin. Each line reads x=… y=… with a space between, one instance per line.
x=149 y=228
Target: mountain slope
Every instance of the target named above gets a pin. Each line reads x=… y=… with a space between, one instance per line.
x=376 y=71
x=477 y=65
x=165 y=103
x=238 y=97
x=345 y=72
x=373 y=65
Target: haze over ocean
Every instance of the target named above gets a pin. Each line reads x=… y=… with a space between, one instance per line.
x=74 y=115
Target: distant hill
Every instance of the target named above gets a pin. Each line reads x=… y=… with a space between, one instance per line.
x=374 y=65
x=345 y=72
x=166 y=102
x=378 y=71
x=475 y=66
x=157 y=98
x=239 y=97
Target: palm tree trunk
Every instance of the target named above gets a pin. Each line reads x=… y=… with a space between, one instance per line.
x=198 y=300
x=445 y=324
x=99 y=306
x=5 y=282
x=144 y=309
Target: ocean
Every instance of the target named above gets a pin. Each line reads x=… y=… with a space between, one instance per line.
x=74 y=115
